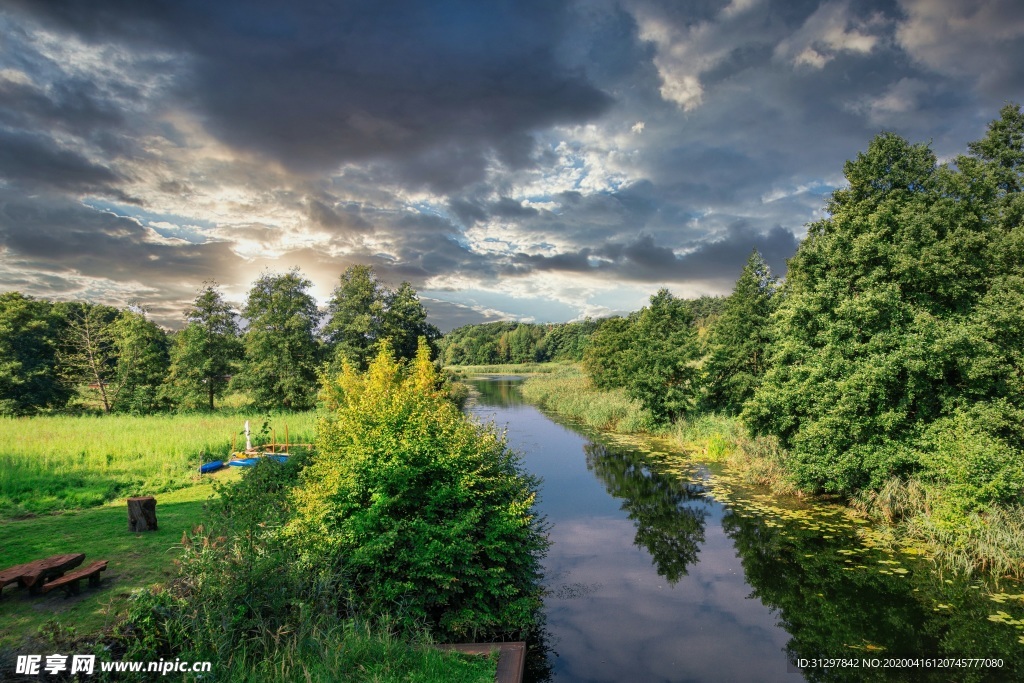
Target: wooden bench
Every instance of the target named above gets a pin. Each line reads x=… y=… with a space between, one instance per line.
x=32 y=575
x=69 y=582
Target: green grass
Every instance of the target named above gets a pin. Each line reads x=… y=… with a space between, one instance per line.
x=570 y=394
x=357 y=654
x=54 y=463
x=507 y=369
x=136 y=560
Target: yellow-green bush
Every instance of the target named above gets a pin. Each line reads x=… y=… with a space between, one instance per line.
x=426 y=514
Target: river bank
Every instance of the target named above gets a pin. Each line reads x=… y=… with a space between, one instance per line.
x=907 y=513
x=695 y=563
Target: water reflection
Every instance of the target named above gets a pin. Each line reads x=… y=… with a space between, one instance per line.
x=501 y=391
x=651 y=578
x=837 y=601
x=669 y=514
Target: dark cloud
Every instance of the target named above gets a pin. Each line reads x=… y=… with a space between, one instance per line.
x=643 y=260
x=34 y=161
x=68 y=239
x=313 y=84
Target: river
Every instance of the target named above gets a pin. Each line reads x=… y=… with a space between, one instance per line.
x=663 y=570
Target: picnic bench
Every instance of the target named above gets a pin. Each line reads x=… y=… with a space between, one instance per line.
x=70 y=581
x=42 y=576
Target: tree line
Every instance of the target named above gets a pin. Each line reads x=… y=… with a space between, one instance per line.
x=515 y=342
x=893 y=349
x=272 y=350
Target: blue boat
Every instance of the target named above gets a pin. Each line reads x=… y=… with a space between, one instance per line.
x=244 y=462
x=211 y=467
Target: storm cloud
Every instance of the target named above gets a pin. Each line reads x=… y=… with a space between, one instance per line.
x=538 y=159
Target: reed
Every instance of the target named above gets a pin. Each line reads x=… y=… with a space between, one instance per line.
x=570 y=394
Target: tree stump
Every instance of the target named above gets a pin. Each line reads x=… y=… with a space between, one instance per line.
x=142 y=514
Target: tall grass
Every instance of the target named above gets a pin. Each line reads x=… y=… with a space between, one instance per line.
x=353 y=652
x=570 y=393
x=53 y=463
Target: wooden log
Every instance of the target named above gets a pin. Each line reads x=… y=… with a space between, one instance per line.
x=142 y=514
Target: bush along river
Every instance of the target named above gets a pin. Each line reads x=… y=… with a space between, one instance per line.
x=666 y=569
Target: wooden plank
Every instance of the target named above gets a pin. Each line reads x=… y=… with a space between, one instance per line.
x=39 y=572
x=511 y=658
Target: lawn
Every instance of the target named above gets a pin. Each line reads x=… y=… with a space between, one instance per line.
x=136 y=559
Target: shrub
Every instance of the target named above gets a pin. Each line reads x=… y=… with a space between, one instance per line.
x=426 y=514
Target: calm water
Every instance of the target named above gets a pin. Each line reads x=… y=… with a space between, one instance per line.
x=652 y=577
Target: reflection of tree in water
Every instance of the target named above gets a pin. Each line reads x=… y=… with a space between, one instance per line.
x=833 y=612
x=667 y=524
x=498 y=392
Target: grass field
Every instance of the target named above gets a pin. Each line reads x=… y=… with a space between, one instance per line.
x=136 y=560
x=48 y=464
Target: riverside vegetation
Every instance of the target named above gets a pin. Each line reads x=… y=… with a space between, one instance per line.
x=409 y=524
x=887 y=369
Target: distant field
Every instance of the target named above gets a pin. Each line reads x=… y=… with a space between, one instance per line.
x=508 y=369
x=63 y=462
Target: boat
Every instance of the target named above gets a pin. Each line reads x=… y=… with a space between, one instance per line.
x=206 y=468
x=244 y=462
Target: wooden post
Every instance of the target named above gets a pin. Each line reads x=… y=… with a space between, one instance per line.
x=142 y=514
x=286 y=438
x=273 y=441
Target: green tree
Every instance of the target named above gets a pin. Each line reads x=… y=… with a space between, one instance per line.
x=205 y=352
x=88 y=353
x=281 y=349
x=29 y=337
x=142 y=360
x=897 y=339
x=739 y=339
x=355 y=316
x=405 y=321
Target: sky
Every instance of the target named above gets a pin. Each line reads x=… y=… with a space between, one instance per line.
x=537 y=160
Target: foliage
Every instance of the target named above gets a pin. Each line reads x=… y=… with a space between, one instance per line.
x=897 y=343
x=87 y=353
x=205 y=353
x=424 y=513
x=654 y=354
x=738 y=339
x=142 y=361
x=29 y=336
x=514 y=342
x=281 y=349
x=363 y=312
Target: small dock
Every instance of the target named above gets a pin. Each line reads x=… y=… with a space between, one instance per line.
x=511 y=658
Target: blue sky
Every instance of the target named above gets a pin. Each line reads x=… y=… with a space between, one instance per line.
x=534 y=160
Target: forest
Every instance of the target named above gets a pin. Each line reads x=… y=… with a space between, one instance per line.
x=86 y=357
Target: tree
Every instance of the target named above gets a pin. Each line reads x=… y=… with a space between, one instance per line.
x=363 y=311
x=29 y=336
x=405 y=321
x=88 y=354
x=141 y=349
x=355 y=316
x=896 y=345
x=281 y=350
x=739 y=339
x=205 y=352
x=419 y=506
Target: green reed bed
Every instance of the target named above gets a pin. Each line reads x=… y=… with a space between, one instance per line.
x=570 y=393
x=53 y=463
